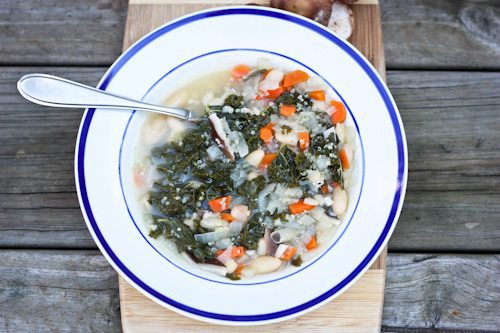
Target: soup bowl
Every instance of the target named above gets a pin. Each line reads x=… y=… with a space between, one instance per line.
x=183 y=50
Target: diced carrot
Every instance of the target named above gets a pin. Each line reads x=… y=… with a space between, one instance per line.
x=295 y=77
x=237 y=251
x=339 y=114
x=239 y=269
x=268 y=159
x=266 y=134
x=220 y=204
x=324 y=189
x=343 y=159
x=318 y=95
x=304 y=140
x=299 y=207
x=273 y=94
x=270 y=125
x=227 y=217
x=312 y=243
x=287 y=110
x=240 y=71
x=289 y=253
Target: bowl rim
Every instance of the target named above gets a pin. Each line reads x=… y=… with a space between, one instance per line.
x=402 y=157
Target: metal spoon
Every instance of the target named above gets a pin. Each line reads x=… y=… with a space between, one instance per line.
x=58 y=92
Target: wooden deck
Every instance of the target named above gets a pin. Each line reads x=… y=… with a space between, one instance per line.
x=443 y=68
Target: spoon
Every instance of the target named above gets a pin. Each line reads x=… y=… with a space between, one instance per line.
x=54 y=91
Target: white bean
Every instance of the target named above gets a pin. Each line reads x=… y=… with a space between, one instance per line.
x=265 y=264
x=248 y=272
x=255 y=157
x=213 y=222
x=339 y=201
x=340 y=130
x=275 y=75
x=325 y=236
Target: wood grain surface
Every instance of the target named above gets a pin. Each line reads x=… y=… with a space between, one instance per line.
x=452 y=201
x=75 y=291
x=418 y=33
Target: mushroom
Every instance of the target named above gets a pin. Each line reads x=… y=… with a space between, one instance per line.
x=335 y=14
x=220 y=136
x=341 y=20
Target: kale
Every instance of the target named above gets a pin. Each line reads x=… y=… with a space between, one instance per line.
x=297 y=261
x=252 y=233
x=250 y=190
x=326 y=146
x=285 y=129
x=248 y=125
x=177 y=199
x=234 y=101
x=288 y=167
x=182 y=236
x=301 y=101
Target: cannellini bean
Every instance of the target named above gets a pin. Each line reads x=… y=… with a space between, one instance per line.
x=324 y=221
x=283 y=235
x=213 y=222
x=339 y=201
x=255 y=157
x=231 y=265
x=315 y=83
x=340 y=129
x=240 y=212
x=280 y=250
x=287 y=138
x=219 y=270
x=265 y=264
x=275 y=75
x=350 y=135
x=261 y=247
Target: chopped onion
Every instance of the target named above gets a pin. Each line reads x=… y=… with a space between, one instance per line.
x=214 y=152
x=212 y=236
x=262 y=199
x=235 y=228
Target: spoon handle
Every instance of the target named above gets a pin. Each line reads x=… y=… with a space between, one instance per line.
x=58 y=92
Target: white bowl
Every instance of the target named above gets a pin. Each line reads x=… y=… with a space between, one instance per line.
x=178 y=53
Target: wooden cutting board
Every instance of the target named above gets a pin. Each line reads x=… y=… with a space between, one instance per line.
x=359 y=309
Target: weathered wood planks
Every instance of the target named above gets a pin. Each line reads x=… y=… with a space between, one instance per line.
x=76 y=291
x=417 y=33
x=451 y=124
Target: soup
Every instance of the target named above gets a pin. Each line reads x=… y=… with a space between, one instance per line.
x=259 y=182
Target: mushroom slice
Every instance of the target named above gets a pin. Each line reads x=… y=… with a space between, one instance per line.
x=341 y=20
x=220 y=136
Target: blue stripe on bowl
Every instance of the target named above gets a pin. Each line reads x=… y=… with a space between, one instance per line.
x=282 y=16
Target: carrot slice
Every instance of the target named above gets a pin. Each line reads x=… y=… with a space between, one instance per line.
x=268 y=159
x=287 y=110
x=237 y=251
x=227 y=217
x=299 y=207
x=220 y=204
x=240 y=71
x=295 y=77
x=289 y=253
x=273 y=94
x=318 y=95
x=304 y=140
x=266 y=134
x=312 y=243
x=343 y=159
x=339 y=114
